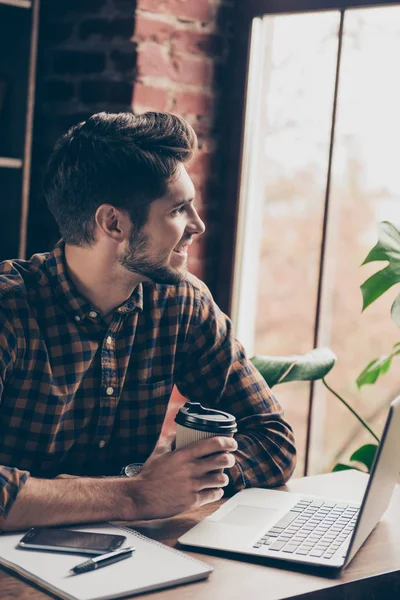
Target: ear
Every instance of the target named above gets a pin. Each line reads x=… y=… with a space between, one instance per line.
x=113 y=222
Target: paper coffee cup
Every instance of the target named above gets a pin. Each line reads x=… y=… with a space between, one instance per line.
x=194 y=423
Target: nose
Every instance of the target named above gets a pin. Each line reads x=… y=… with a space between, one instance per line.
x=196 y=225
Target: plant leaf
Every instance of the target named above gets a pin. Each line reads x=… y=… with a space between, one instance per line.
x=377 y=367
x=388 y=243
x=387 y=249
x=378 y=284
x=395 y=311
x=343 y=467
x=299 y=367
x=365 y=455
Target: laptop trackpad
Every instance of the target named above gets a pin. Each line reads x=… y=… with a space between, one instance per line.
x=248 y=516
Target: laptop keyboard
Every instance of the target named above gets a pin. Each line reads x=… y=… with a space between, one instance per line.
x=312 y=528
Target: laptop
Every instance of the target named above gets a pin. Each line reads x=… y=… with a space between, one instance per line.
x=304 y=529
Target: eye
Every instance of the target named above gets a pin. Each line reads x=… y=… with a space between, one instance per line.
x=179 y=211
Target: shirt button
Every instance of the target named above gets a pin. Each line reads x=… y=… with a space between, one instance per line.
x=109 y=340
x=102 y=443
x=109 y=391
x=77 y=318
x=93 y=314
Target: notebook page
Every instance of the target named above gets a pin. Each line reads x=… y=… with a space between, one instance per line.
x=152 y=566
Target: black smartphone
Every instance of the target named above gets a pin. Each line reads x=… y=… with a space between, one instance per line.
x=68 y=540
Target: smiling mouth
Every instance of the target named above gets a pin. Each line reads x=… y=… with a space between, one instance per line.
x=182 y=250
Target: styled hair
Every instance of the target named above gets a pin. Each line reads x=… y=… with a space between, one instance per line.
x=121 y=159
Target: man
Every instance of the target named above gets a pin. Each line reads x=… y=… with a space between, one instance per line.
x=94 y=334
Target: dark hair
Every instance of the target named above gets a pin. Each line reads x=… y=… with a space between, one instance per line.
x=121 y=159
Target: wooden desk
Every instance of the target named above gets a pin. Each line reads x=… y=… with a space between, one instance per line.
x=373 y=573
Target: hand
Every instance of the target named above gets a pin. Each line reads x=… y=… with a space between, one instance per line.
x=173 y=482
x=164 y=445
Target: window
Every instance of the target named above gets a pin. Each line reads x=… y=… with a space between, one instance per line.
x=320 y=170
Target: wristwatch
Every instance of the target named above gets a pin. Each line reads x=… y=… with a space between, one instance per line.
x=131 y=470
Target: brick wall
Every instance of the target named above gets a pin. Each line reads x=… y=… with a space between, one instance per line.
x=182 y=52
x=86 y=63
x=177 y=61
x=182 y=66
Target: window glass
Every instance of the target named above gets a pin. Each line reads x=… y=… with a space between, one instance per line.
x=297 y=114
x=365 y=190
x=295 y=130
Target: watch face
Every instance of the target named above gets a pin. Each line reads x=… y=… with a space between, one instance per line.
x=132 y=469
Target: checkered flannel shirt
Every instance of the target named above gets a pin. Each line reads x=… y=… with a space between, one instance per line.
x=82 y=397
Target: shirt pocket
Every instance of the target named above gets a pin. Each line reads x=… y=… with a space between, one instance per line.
x=142 y=409
x=148 y=393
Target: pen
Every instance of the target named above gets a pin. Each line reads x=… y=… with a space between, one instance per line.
x=103 y=560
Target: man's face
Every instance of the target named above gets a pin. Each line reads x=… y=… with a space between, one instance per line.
x=158 y=251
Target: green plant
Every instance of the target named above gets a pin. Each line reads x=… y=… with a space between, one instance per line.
x=315 y=365
x=300 y=367
x=387 y=250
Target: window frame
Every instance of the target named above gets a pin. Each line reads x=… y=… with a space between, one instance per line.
x=237 y=71
x=232 y=279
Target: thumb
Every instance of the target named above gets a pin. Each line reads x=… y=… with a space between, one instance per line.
x=170 y=441
x=164 y=445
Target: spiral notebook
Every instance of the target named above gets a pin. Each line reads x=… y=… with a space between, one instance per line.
x=152 y=566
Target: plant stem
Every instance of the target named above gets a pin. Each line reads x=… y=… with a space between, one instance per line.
x=351 y=409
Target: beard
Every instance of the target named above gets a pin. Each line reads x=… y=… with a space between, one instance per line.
x=136 y=260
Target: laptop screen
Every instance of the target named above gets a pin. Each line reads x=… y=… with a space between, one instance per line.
x=382 y=480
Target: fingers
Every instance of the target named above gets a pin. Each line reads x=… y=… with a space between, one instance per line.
x=210 y=446
x=213 y=480
x=222 y=460
x=207 y=496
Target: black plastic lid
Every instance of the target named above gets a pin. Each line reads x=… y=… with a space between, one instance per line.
x=194 y=416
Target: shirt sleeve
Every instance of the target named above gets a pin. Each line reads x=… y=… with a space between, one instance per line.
x=217 y=373
x=11 y=478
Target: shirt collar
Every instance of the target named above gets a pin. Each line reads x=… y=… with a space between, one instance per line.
x=68 y=294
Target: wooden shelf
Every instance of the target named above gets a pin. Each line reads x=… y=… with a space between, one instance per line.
x=11 y=163
x=19 y=3
x=18 y=52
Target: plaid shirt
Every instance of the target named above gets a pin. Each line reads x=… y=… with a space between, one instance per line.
x=82 y=397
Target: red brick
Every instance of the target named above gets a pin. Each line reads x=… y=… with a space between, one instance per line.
x=201 y=164
x=149 y=98
x=154 y=61
x=152 y=30
x=199 y=10
x=195 y=103
x=201 y=124
x=192 y=71
x=197 y=43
